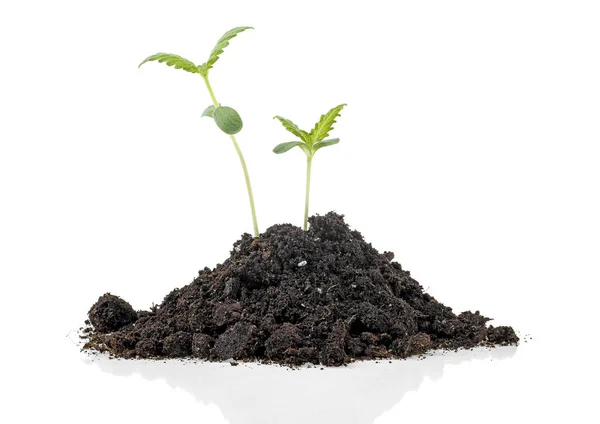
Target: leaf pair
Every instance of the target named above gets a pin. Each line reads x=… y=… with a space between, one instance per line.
x=311 y=141
x=181 y=63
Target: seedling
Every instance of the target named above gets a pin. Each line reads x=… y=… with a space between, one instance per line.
x=226 y=118
x=310 y=142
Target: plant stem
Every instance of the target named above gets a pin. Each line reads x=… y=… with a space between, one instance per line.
x=210 y=90
x=306 y=200
x=248 y=185
x=242 y=161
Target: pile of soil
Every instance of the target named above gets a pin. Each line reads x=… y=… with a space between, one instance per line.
x=321 y=296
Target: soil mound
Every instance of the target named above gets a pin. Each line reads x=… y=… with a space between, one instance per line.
x=321 y=296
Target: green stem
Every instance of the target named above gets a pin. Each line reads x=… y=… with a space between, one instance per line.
x=242 y=161
x=306 y=200
x=210 y=90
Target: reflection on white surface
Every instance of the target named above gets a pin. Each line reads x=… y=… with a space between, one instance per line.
x=255 y=393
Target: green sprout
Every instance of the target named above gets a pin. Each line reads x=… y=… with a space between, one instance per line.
x=310 y=142
x=226 y=118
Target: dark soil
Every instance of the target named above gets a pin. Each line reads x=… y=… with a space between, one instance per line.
x=322 y=296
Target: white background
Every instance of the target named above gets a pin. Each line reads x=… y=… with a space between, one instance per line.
x=469 y=147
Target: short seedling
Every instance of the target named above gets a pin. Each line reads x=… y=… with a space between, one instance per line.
x=310 y=142
x=226 y=118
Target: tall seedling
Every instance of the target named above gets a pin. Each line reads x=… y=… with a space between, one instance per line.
x=310 y=143
x=226 y=118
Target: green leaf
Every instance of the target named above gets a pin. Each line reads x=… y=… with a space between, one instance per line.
x=293 y=128
x=284 y=147
x=221 y=44
x=209 y=111
x=325 y=124
x=228 y=120
x=172 y=60
x=325 y=143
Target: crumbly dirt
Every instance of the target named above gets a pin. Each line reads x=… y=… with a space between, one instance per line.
x=324 y=296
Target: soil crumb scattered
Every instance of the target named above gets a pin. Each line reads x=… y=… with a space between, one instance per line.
x=324 y=296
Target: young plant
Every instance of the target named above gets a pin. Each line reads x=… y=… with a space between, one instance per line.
x=310 y=142
x=226 y=118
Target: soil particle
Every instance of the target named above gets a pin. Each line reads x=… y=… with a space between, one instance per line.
x=147 y=348
x=111 y=313
x=227 y=314
x=319 y=296
x=239 y=342
x=417 y=344
x=283 y=342
x=334 y=351
x=177 y=345
x=502 y=335
x=201 y=345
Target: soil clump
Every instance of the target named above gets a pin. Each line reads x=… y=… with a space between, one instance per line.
x=324 y=296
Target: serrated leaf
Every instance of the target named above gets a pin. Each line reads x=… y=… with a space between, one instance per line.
x=293 y=128
x=325 y=124
x=220 y=46
x=284 y=147
x=228 y=120
x=325 y=143
x=209 y=111
x=172 y=60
